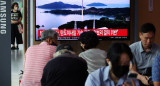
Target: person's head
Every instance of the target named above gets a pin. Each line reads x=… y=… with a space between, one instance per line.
x=118 y=58
x=147 y=35
x=15 y=6
x=49 y=36
x=64 y=46
x=88 y=40
x=63 y=49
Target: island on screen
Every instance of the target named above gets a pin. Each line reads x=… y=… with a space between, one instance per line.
x=110 y=19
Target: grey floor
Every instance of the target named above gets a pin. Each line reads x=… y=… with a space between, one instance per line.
x=16 y=65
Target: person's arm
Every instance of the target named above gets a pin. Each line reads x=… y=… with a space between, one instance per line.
x=133 y=66
x=132 y=83
x=25 y=57
x=24 y=61
x=19 y=20
x=20 y=17
x=143 y=79
x=156 y=83
x=13 y=22
x=16 y=22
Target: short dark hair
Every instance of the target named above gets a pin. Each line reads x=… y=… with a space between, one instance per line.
x=115 y=51
x=90 y=39
x=148 y=27
x=15 y=3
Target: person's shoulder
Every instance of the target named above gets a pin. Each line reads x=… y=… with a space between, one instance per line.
x=53 y=47
x=83 y=53
x=87 y=52
x=157 y=58
x=95 y=50
x=50 y=61
x=96 y=78
x=157 y=47
x=101 y=50
x=99 y=72
x=80 y=54
x=135 y=45
x=36 y=46
x=49 y=65
x=33 y=46
x=18 y=11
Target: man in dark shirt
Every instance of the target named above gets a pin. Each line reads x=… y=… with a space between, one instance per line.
x=65 y=70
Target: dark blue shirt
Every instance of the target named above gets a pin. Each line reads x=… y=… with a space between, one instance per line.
x=156 y=69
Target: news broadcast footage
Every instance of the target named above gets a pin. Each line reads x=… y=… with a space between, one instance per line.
x=110 y=19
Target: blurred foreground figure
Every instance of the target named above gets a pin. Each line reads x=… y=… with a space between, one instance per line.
x=65 y=70
x=116 y=74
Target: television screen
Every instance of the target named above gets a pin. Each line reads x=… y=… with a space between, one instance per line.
x=110 y=19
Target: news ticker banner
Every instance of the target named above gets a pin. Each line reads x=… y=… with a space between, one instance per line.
x=77 y=32
x=5 y=42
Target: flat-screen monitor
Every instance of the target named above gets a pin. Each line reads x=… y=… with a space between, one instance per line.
x=110 y=19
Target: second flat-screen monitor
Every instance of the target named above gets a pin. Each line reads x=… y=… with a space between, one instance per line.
x=110 y=19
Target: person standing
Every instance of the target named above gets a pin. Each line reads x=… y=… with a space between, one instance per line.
x=16 y=18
